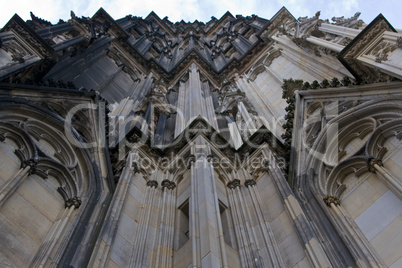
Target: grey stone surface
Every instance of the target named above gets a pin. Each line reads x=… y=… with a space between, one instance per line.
x=380 y=214
x=213 y=97
x=121 y=251
x=291 y=250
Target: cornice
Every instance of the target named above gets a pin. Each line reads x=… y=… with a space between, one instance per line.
x=30 y=37
x=348 y=56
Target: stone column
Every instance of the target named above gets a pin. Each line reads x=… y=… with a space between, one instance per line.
x=250 y=254
x=218 y=214
x=53 y=236
x=171 y=225
x=194 y=225
x=195 y=100
x=242 y=239
x=147 y=119
x=142 y=230
x=250 y=125
x=250 y=234
x=326 y=44
x=376 y=166
x=234 y=133
x=27 y=167
x=266 y=229
x=153 y=118
x=209 y=105
x=206 y=233
x=361 y=249
x=339 y=30
x=164 y=252
x=180 y=117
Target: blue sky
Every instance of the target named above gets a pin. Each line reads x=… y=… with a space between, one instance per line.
x=190 y=10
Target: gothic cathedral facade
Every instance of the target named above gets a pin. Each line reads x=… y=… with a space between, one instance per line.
x=240 y=142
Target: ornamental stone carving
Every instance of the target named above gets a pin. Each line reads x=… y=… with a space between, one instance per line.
x=381 y=51
x=152 y=183
x=329 y=199
x=135 y=167
x=32 y=163
x=352 y=22
x=210 y=157
x=168 y=184
x=371 y=161
x=233 y=184
x=266 y=165
x=307 y=25
x=399 y=42
x=75 y=201
x=248 y=183
x=191 y=159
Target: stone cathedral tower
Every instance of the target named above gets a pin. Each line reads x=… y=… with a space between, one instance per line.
x=240 y=142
